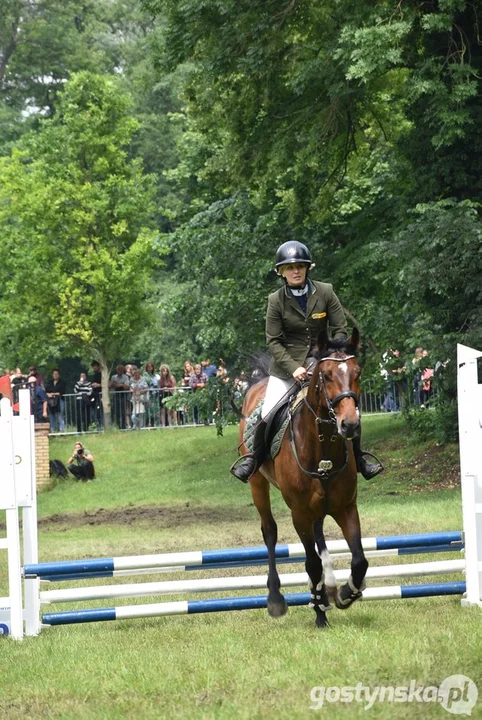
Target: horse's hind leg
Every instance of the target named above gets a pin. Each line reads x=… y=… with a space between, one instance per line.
x=349 y=523
x=319 y=598
x=260 y=491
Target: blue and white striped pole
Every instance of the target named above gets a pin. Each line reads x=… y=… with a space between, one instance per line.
x=192 y=607
x=453 y=547
x=221 y=557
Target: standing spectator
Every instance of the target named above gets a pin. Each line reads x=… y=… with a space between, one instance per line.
x=5 y=386
x=139 y=389
x=38 y=400
x=167 y=384
x=19 y=380
x=83 y=402
x=427 y=375
x=120 y=384
x=393 y=370
x=209 y=369
x=417 y=375
x=55 y=390
x=96 y=385
x=197 y=381
x=130 y=374
x=152 y=396
x=32 y=371
x=188 y=371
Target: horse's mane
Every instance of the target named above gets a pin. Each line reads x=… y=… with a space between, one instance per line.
x=340 y=345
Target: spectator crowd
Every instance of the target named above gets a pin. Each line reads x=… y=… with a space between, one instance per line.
x=138 y=394
x=411 y=379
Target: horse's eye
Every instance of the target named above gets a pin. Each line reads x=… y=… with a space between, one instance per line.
x=326 y=378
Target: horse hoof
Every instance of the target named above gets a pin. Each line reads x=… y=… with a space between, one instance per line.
x=345 y=597
x=278 y=607
x=321 y=620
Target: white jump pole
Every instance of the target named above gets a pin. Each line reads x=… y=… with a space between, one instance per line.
x=470 y=439
x=248 y=582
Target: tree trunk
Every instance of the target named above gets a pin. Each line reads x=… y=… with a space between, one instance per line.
x=10 y=44
x=104 y=367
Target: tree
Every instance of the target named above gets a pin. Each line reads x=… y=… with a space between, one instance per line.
x=340 y=118
x=76 y=220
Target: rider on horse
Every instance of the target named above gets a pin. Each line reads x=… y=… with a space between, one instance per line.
x=296 y=315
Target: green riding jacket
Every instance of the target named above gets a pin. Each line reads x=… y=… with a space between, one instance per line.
x=291 y=335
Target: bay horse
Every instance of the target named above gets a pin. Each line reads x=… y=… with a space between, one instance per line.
x=315 y=470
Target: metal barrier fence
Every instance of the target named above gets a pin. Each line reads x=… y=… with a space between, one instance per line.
x=148 y=412
x=128 y=412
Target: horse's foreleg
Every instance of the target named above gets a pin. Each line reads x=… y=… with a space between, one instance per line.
x=260 y=491
x=319 y=598
x=328 y=588
x=349 y=523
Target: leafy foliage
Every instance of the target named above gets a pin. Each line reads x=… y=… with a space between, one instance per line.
x=75 y=214
x=354 y=127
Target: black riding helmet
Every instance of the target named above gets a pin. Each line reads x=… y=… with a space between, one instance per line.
x=292 y=252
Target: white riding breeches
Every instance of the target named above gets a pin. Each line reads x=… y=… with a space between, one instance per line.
x=275 y=390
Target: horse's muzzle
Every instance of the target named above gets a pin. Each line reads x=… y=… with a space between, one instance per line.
x=349 y=430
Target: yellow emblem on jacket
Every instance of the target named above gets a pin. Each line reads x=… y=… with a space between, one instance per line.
x=318 y=316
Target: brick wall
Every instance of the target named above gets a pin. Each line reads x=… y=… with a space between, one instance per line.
x=42 y=454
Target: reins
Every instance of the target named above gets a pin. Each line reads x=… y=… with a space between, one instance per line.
x=325 y=470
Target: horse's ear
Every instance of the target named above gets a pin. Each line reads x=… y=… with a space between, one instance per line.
x=355 y=339
x=322 y=341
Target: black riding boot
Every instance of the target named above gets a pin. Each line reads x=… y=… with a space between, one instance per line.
x=366 y=468
x=248 y=465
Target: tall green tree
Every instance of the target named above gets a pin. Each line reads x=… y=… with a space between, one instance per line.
x=342 y=117
x=76 y=221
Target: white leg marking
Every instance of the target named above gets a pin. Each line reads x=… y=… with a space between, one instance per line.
x=329 y=575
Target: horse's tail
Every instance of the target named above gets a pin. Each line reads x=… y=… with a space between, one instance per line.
x=260 y=363
x=235 y=408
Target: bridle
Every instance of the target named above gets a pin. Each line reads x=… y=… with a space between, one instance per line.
x=331 y=403
x=325 y=467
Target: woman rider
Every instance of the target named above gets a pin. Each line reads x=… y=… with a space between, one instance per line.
x=296 y=314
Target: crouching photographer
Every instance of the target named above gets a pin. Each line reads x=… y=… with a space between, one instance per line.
x=81 y=463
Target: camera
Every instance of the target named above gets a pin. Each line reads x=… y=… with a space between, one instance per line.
x=80 y=451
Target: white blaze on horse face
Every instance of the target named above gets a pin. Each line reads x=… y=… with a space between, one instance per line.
x=343 y=367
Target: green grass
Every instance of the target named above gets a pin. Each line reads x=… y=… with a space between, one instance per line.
x=171 y=490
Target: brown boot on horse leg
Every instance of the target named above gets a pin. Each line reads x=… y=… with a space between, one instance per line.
x=368 y=469
x=249 y=464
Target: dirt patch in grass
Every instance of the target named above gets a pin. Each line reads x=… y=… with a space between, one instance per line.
x=441 y=464
x=159 y=517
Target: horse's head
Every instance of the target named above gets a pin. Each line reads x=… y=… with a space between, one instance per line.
x=336 y=380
